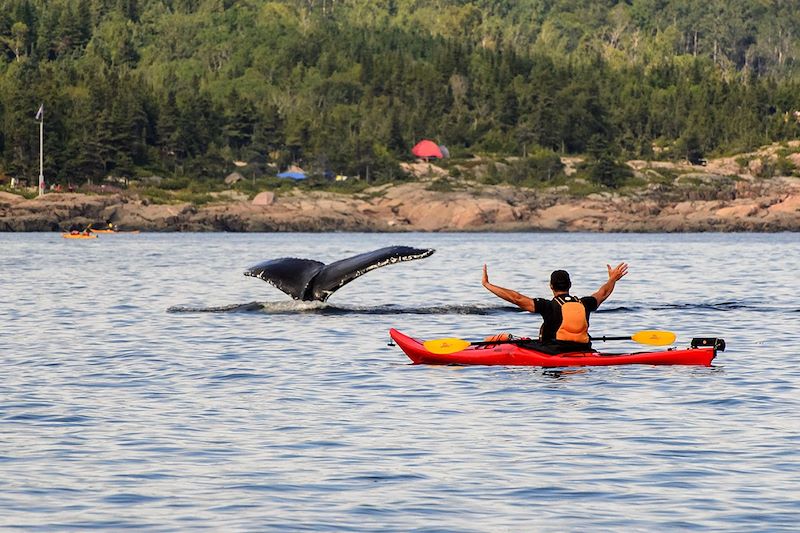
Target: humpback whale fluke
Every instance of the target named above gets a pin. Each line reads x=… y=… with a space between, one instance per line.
x=306 y=279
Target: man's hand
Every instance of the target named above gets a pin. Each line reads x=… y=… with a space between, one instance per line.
x=485 y=281
x=616 y=273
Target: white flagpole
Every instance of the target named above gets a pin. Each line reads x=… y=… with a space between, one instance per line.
x=41 y=150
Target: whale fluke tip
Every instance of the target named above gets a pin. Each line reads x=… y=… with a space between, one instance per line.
x=307 y=279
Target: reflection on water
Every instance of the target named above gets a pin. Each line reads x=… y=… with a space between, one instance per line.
x=136 y=395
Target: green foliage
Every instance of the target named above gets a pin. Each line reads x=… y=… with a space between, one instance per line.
x=493 y=176
x=28 y=193
x=158 y=195
x=743 y=161
x=767 y=168
x=690 y=148
x=184 y=88
x=609 y=173
x=582 y=186
x=541 y=166
x=193 y=197
x=440 y=185
x=785 y=151
x=784 y=167
x=175 y=184
x=349 y=186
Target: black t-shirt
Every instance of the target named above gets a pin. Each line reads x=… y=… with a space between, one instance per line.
x=551 y=314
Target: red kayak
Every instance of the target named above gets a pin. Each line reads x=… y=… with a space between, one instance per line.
x=701 y=352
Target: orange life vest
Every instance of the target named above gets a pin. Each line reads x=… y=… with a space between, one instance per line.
x=574 y=326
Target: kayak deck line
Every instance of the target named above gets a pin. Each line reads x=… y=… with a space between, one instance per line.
x=701 y=352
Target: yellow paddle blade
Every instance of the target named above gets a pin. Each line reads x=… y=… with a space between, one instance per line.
x=654 y=337
x=445 y=346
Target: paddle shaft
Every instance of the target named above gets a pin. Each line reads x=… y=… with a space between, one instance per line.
x=518 y=341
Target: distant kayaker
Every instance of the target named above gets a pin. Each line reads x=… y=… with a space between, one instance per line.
x=565 y=325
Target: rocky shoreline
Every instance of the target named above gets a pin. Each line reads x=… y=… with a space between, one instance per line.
x=711 y=203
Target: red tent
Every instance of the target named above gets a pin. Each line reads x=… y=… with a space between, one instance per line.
x=426 y=148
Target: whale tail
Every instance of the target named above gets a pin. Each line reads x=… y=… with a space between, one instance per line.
x=306 y=279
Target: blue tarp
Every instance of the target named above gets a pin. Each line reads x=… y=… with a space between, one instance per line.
x=292 y=175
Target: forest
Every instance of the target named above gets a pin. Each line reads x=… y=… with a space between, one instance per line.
x=183 y=88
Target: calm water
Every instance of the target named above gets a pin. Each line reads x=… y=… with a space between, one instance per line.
x=126 y=403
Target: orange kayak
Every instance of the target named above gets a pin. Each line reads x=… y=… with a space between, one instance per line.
x=114 y=231
x=78 y=236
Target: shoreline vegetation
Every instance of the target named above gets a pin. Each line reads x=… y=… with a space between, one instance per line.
x=543 y=116
x=193 y=90
x=755 y=192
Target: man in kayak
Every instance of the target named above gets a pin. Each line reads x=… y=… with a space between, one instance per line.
x=565 y=325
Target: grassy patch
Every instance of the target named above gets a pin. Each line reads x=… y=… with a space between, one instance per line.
x=350 y=186
x=440 y=185
x=25 y=193
x=633 y=183
x=787 y=151
x=582 y=187
x=691 y=181
x=784 y=167
x=662 y=176
x=744 y=161
x=159 y=196
x=194 y=198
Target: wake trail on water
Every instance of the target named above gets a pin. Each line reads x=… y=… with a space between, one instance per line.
x=321 y=308
x=294 y=307
x=702 y=306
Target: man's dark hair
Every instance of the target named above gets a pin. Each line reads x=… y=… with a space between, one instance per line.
x=560 y=281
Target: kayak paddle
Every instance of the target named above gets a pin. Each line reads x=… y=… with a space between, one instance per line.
x=652 y=337
x=452 y=345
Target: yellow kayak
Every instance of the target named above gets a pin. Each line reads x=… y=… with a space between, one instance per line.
x=78 y=236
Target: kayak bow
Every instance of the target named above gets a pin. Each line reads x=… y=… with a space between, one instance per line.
x=701 y=352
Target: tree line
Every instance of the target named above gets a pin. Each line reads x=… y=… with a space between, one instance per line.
x=186 y=87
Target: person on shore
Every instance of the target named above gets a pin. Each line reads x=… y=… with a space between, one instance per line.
x=565 y=326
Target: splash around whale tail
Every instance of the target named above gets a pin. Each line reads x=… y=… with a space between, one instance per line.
x=307 y=279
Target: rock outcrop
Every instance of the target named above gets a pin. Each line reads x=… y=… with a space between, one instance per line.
x=765 y=205
x=724 y=195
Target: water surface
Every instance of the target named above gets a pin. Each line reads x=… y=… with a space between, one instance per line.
x=148 y=384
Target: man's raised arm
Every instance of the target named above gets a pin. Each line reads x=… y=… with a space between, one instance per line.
x=518 y=299
x=614 y=275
